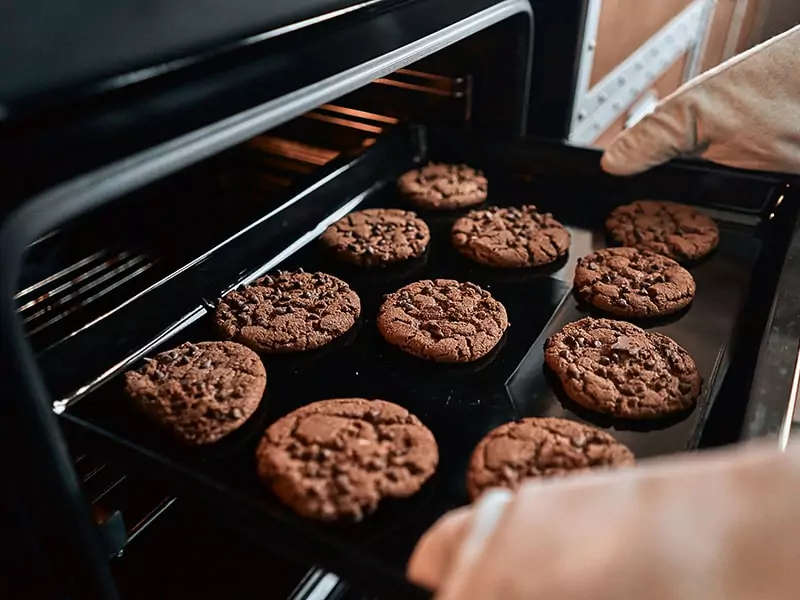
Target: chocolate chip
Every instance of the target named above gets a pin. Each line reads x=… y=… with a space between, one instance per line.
x=376 y=463
x=342 y=482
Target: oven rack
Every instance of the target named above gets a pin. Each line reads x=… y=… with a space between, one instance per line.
x=77 y=295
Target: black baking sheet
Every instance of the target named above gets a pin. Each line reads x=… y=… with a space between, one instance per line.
x=460 y=403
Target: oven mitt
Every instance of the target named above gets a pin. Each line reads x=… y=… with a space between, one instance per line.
x=743 y=113
x=712 y=526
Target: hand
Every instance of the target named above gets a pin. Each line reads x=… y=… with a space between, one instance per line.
x=717 y=526
x=744 y=113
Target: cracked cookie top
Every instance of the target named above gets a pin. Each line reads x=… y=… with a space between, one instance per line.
x=540 y=447
x=674 y=230
x=200 y=392
x=288 y=312
x=512 y=237
x=616 y=368
x=443 y=320
x=337 y=459
x=629 y=282
x=438 y=186
x=377 y=236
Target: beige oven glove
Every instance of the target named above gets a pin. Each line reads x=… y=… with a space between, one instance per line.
x=744 y=113
x=716 y=526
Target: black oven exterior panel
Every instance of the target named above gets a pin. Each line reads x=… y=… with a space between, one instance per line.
x=315 y=64
x=124 y=45
x=108 y=46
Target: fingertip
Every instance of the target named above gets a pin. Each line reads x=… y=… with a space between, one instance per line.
x=489 y=509
x=461 y=532
x=432 y=557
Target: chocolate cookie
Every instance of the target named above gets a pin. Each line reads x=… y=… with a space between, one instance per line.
x=510 y=237
x=629 y=282
x=377 y=236
x=337 y=459
x=443 y=320
x=288 y=312
x=616 y=368
x=437 y=186
x=671 y=229
x=540 y=447
x=201 y=392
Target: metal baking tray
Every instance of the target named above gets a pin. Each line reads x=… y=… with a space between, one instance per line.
x=461 y=403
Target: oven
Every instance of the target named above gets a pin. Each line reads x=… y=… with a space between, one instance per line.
x=137 y=196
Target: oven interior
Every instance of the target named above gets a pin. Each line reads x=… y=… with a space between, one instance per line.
x=97 y=290
x=143 y=273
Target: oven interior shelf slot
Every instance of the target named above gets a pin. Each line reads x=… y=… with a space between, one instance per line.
x=69 y=296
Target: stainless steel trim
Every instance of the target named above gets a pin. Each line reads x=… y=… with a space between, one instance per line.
x=62 y=273
x=612 y=96
x=180 y=325
x=590 y=28
x=150 y=72
x=107 y=489
x=100 y=274
x=151 y=516
x=698 y=50
x=735 y=29
x=198 y=312
x=316 y=585
x=307 y=238
x=788 y=418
